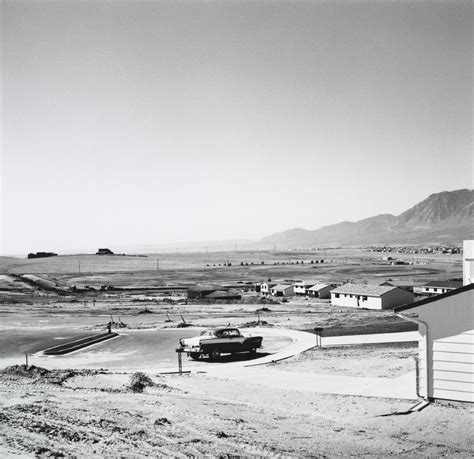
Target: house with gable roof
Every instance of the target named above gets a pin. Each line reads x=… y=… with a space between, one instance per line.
x=370 y=296
x=445 y=343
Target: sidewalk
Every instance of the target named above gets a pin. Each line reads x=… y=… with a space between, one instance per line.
x=400 y=337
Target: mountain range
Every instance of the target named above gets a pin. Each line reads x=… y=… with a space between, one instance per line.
x=442 y=218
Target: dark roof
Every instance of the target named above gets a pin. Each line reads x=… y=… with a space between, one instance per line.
x=448 y=284
x=432 y=299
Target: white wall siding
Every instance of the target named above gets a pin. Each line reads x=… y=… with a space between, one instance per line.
x=453 y=376
x=458 y=367
x=454 y=395
x=453 y=367
x=395 y=297
x=453 y=347
x=356 y=301
x=459 y=357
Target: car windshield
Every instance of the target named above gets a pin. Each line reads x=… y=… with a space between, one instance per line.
x=207 y=333
x=229 y=333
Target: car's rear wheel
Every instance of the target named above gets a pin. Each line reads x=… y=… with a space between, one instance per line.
x=215 y=354
x=253 y=351
x=195 y=355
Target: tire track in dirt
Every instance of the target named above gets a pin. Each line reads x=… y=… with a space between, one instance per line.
x=209 y=427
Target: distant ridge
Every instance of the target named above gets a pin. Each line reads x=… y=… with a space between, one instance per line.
x=446 y=217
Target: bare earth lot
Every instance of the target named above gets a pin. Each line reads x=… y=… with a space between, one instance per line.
x=196 y=415
x=91 y=413
x=382 y=360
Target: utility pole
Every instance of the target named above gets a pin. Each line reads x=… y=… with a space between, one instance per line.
x=79 y=265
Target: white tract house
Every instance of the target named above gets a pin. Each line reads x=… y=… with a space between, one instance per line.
x=282 y=290
x=300 y=288
x=438 y=287
x=370 y=296
x=265 y=288
x=446 y=344
x=322 y=291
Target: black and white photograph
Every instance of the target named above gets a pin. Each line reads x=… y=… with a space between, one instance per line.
x=236 y=228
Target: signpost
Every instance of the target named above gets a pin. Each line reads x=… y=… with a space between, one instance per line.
x=180 y=361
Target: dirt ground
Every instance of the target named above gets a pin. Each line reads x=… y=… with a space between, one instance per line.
x=91 y=415
x=381 y=360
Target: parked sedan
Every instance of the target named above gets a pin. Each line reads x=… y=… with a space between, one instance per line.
x=220 y=341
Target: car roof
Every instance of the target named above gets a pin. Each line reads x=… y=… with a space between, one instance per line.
x=218 y=330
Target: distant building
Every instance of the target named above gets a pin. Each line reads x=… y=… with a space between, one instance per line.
x=300 y=288
x=42 y=255
x=446 y=344
x=104 y=251
x=265 y=287
x=322 y=291
x=282 y=290
x=438 y=287
x=222 y=295
x=370 y=296
x=199 y=292
x=468 y=262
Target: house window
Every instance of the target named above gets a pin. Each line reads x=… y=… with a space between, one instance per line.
x=336 y=295
x=364 y=298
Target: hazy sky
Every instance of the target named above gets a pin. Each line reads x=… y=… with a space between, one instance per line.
x=162 y=122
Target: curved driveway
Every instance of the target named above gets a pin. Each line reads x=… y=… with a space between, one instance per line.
x=403 y=387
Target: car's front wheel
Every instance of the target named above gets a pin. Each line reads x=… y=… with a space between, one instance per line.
x=215 y=354
x=194 y=355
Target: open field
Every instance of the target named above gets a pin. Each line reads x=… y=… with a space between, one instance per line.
x=339 y=265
